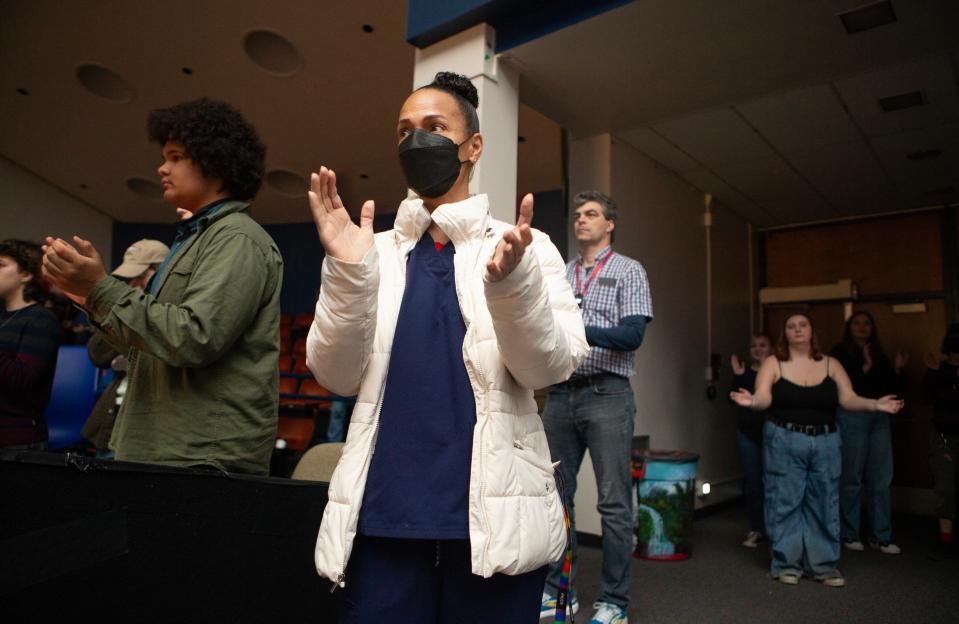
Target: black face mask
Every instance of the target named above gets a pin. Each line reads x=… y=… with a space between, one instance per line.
x=430 y=161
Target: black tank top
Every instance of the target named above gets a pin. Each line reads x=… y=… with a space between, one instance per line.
x=812 y=405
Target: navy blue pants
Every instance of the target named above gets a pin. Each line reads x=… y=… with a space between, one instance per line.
x=429 y=582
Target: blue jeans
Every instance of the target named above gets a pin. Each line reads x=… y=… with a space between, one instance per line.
x=751 y=454
x=336 y=430
x=866 y=460
x=802 y=501
x=598 y=418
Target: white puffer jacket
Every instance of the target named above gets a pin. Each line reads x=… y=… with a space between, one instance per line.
x=523 y=332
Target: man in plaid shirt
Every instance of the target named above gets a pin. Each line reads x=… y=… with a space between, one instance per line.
x=594 y=410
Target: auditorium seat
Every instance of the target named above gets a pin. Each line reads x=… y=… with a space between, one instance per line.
x=288 y=385
x=299 y=365
x=299 y=347
x=309 y=388
x=286 y=363
x=318 y=462
x=286 y=319
x=296 y=432
x=302 y=321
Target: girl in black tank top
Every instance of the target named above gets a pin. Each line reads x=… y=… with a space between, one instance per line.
x=802 y=460
x=805 y=405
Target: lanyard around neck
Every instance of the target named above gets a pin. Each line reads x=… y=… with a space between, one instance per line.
x=592 y=275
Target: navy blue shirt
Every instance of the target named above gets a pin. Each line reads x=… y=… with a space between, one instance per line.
x=418 y=484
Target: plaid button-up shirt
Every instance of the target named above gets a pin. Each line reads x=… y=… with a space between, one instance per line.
x=620 y=289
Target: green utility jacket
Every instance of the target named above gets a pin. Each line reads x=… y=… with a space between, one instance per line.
x=203 y=354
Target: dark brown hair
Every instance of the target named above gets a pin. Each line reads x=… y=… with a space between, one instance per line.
x=850 y=345
x=27 y=255
x=782 y=345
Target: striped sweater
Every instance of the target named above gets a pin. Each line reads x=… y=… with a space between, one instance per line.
x=28 y=357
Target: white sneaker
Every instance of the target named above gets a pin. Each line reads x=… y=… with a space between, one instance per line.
x=607 y=613
x=854 y=545
x=788 y=578
x=886 y=548
x=548 y=606
x=833 y=581
x=752 y=539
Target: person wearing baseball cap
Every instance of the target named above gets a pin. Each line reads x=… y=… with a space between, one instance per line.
x=140 y=262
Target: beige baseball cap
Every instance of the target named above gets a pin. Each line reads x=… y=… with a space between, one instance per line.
x=139 y=256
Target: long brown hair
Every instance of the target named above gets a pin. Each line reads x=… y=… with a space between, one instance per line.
x=850 y=344
x=782 y=345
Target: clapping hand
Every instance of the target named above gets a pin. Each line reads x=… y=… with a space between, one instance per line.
x=510 y=250
x=901 y=360
x=738 y=367
x=340 y=237
x=74 y=270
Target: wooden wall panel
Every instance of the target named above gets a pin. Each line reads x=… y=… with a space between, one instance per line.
x=885 y=255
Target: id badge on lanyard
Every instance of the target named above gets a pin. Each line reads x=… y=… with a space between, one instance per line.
x=580 y=294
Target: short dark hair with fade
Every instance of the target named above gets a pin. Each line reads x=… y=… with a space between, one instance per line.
x=218 y=139
x=27 y=255
x=608 y=205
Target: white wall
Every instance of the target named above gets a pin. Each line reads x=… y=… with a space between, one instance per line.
x=661 y=225
x=31 y=208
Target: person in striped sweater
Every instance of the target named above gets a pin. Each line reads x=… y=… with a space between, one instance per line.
x=29 y=339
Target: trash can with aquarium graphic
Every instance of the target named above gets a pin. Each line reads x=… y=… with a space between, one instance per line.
x=664 y=505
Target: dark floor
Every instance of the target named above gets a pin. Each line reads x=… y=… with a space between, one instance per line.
x=725 y=582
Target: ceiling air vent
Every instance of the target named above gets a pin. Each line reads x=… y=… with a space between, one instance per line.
x=929 y=154
x=868 y=17
x=901 y=101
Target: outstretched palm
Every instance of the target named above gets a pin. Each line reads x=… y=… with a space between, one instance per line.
x=340 y=237
x=742 y=397
x=509 y=251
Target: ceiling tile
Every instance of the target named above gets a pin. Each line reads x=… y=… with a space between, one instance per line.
x=921 y=177
x=801 y=120
x=659 y=149
x=715 y=138
x=767 y=179
x=933 y=76
x=849 y=176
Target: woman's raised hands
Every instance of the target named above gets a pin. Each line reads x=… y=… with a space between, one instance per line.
x=340 y=237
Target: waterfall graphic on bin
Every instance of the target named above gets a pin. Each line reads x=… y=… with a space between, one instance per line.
x=657 y=545
x=665 y=499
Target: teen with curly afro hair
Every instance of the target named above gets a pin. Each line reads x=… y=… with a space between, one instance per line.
x=217 y=138
x=204 y=333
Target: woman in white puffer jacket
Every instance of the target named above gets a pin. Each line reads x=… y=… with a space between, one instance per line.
x=443 y=507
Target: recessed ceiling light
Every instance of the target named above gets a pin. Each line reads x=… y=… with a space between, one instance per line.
x=363 y=176
x=187 y=71
x=104 y=83
x=522 y=139
x=84 y=186
x=929 y=154
x=144 y=187
x=367 y=28
x=286 y=182
x=22 y=91
x=868 y=17
x=272 y=52
x=901 y=101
